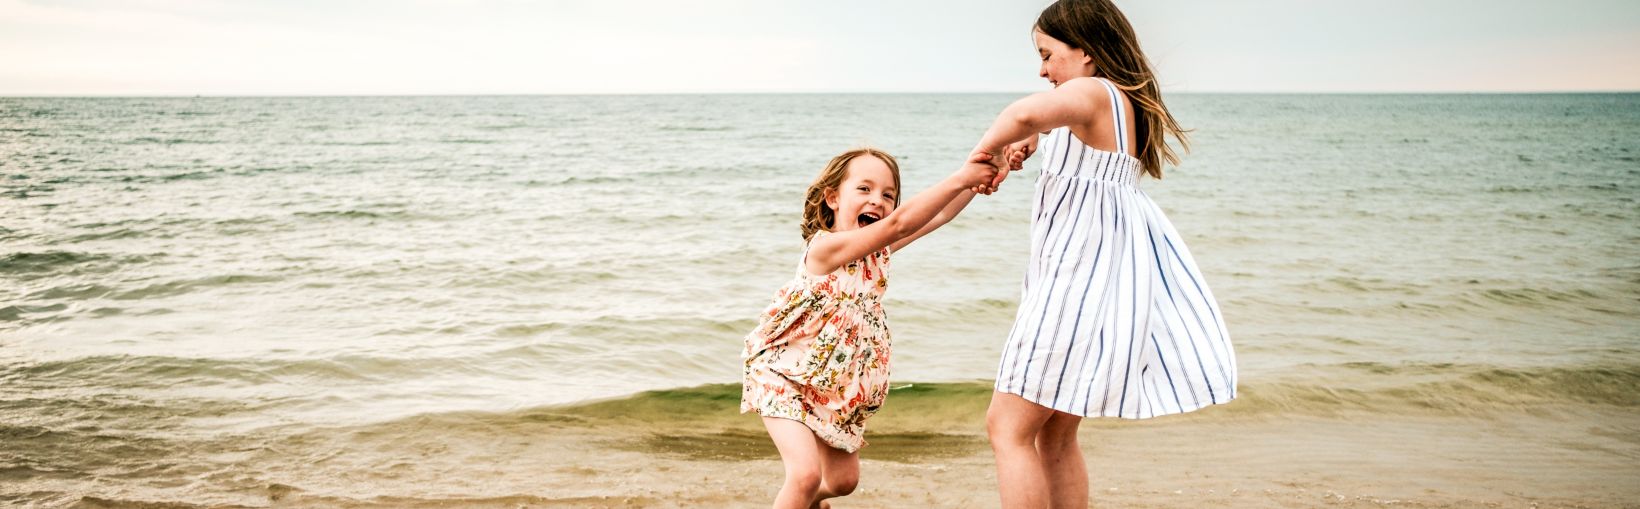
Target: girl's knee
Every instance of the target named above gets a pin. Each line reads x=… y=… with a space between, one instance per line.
x=1058 y=442
x=804 y=480
x=842 y=483
x=1005 y=429
x=1060 y=429
x=842 y=473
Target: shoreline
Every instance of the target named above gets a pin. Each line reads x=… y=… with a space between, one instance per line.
x=690 y=447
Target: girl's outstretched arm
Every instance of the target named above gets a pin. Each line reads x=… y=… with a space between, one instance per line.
x=907 y=221
x=1074 y=102
x=1079 y=101
x=944 y=216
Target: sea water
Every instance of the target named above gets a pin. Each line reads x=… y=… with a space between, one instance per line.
x=178 y=270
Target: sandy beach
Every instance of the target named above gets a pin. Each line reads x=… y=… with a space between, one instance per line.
x=928 y=450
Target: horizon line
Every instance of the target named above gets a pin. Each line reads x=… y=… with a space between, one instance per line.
x=726 y=93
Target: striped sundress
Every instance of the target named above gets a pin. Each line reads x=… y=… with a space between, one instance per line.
x=1116 y=320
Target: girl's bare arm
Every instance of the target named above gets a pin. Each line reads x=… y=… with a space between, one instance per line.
x=832 y=251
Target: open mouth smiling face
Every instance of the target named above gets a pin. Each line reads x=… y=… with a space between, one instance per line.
x=867 y=218
x=865 y=196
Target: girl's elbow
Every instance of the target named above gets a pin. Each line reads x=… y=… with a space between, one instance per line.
x=901 y=228
x=1021 y=113
x=1024 y=118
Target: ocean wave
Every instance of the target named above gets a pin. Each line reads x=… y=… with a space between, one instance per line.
x=70 y=291
x=25 y=192
x=502 y=127
x=1463 y=390
x=151 y=372
x=149 y=140
x=693 y=128
x=622 y=329
x=1514 y=189
x=1442 y=389
x=137 y=372
x=1384 y=297
x=1536 y=299
x=504 y=278
x=49 y=262
x=590 y=180
x=342 y=214
x=975 y=311
x=10 y=234
x=162 y=178
x=189 y=285
x=384 y=212
x=349 y=143
x=115 y=234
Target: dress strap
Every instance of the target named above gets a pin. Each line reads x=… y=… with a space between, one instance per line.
x=1118 y=115
x=803 y=261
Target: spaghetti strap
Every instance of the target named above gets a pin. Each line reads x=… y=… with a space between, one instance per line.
x=1118 y=115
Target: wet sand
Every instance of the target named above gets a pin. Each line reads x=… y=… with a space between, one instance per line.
x=688 y=448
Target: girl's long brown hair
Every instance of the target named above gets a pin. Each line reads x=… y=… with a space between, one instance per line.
x=1097 y=28
x=816 y=215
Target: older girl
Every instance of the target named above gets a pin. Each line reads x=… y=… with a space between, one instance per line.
x=1116 y=320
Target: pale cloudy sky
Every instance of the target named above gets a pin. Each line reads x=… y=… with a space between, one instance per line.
x=353 y=47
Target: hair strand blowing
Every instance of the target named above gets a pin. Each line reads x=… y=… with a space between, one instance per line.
x=1099 y=29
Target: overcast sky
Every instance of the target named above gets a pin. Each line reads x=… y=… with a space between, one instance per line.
x=352 y=47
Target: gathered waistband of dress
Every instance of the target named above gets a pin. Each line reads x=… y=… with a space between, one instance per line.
x=1101 y=165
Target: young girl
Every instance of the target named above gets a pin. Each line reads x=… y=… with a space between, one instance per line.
x=1115 y=320
x=817 y=364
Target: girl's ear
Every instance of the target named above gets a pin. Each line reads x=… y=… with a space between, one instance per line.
x=831 y=199
x=1087 y=60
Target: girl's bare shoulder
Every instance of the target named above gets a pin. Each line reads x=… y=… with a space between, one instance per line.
x=1091 y=89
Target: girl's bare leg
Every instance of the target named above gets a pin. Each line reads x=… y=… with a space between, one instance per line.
x=839 y=473
x=1014 y=425
x=802 y=458
x=1061 y=458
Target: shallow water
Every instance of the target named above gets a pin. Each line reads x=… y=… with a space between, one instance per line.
x=187 y=280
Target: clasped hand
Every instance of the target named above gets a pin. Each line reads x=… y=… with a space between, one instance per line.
x=1011 y=159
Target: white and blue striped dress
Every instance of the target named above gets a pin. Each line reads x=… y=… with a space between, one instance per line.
x=1116 y=320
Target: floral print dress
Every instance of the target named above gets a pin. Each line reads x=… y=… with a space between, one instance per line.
x=820 y=352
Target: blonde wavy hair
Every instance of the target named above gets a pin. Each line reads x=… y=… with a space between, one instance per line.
x=816 y=215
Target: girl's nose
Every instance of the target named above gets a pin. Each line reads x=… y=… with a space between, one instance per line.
x=1042 y=70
